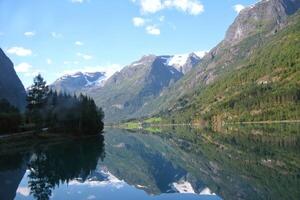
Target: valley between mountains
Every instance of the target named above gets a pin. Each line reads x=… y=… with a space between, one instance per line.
x=253 y=74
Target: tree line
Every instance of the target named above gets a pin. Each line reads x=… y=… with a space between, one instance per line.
x=54 y=112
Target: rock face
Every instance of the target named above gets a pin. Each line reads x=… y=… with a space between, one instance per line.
x=11 y=88
x=266 y=15
x=250 y=29
x=123 y=94
x=74 y=83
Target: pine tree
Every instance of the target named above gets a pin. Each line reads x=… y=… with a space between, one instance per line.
x=37 y=93
x=36 y=100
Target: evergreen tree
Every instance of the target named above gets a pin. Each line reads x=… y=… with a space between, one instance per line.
x=10 y=118
x=36 y=101
x=37 y=93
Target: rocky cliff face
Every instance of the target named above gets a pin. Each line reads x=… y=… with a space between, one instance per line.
x=11 y=88
x=266 y=16
x=250 y=29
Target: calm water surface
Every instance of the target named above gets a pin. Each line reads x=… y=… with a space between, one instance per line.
x=252 y=163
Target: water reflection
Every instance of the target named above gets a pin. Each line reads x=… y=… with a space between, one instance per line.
x=174 y=163
x=50 y=165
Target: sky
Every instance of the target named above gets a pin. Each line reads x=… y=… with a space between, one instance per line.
x=55 y=37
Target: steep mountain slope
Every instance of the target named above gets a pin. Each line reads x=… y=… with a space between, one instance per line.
x=11 y=88
x=266 y=86
x=127 y=91
x=250 y=30
x=74 y=83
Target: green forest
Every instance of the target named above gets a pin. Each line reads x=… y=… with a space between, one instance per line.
x=52 y=112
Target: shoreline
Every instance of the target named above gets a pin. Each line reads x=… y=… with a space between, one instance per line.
x=268 y=122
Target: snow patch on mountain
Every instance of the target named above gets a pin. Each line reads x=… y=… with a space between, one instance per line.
x=184 y=187
x=178 y=60
x=206 y=191
x=91 y=78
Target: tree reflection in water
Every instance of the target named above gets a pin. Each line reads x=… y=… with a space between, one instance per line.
x=57 y=164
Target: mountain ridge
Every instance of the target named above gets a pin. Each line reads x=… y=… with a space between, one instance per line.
x=11 y=87
x=130 y=88
x=78 y=82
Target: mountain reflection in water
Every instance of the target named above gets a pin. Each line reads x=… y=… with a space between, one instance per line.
x=175 y=164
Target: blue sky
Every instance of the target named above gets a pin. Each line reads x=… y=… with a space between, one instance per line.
x=55 y=37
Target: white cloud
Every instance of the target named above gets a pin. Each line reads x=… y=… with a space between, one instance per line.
x=19 y=51
x=138 y=21
x=56 y=35
x=153 y=30
x=238 y=8
x=27 y=70
x=48 y=61
x=84 y=56
x=30 y=33
x=151 y=6
x=23 y=67
x=192 y=7
x=79 y=43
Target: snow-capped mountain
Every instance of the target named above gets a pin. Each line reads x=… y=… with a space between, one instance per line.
x=184 y=62
x=128 y=90
x=72 y=83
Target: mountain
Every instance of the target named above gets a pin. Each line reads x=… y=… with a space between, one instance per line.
x=251 y=30
x=11 y=88
x=127 y=91
x=74 y=83
x=263 y=87
x=173 y=85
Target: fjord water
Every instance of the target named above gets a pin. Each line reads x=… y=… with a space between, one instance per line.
x=176 y=163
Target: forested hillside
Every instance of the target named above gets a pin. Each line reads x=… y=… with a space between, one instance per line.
x=265 y=86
